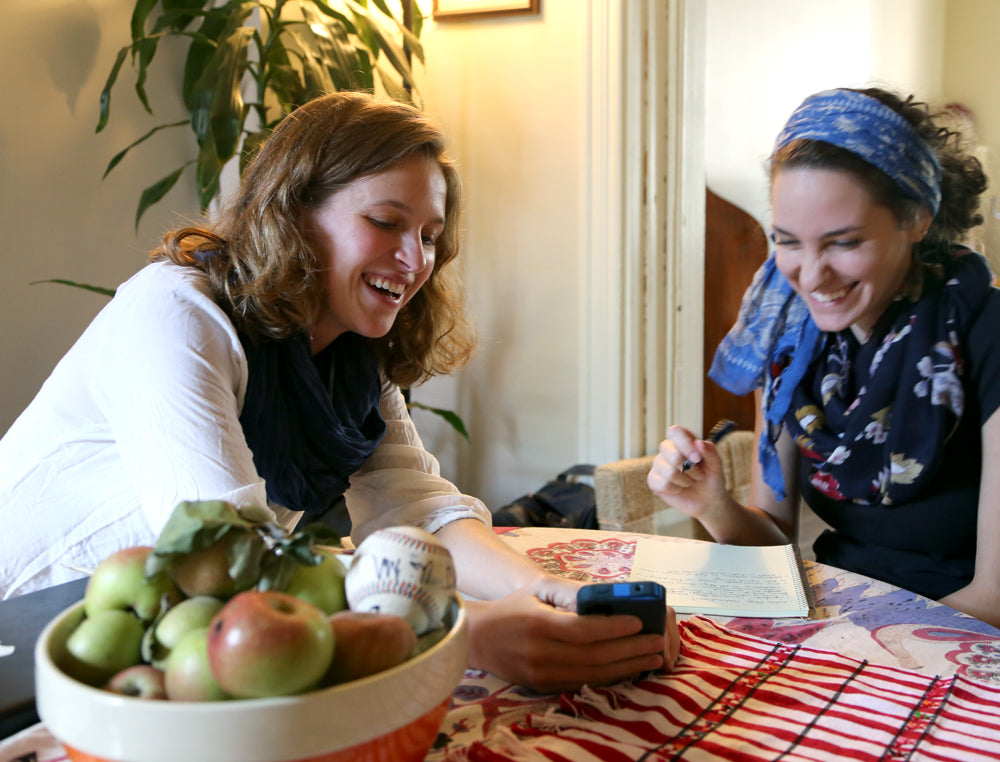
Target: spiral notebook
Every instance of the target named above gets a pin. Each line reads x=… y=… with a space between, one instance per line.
x=727 y=580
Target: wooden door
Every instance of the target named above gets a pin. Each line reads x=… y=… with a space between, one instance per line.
x=735 y=246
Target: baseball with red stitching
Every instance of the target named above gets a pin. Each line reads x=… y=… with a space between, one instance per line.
x=404 y=571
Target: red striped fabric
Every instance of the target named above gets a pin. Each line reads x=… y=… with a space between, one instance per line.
x=735 y=697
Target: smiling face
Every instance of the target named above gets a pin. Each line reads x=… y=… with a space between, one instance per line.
x=376 y=237
x=845 y=255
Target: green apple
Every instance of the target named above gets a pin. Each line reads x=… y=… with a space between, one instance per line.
x=368 y=642
x=119 y=583
x=189 y=614
x=269 y=644
x=140 y=680
x=321 y=585
x=103 y=645
x=188 y=675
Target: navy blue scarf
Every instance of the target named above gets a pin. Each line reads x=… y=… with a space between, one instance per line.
x=310 y=421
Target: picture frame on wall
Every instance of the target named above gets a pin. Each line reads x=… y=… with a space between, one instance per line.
x=456 y=10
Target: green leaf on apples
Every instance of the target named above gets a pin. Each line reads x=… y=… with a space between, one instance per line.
x=293 y=550
x=245 y=553
x=195 y=525
x=260 y=552
x=301 y=544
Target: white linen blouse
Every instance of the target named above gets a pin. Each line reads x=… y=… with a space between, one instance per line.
x=142 y=413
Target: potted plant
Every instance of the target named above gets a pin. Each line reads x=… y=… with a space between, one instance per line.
x=250 y=62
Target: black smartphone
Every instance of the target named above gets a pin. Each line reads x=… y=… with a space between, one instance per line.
x=646 y=600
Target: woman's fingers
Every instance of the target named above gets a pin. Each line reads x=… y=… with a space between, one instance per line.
x=567 y=659
x=667 y=476
x=556 y=591
x=692 y=491
x=526 y=641
x=553 y=677
x=688 y=452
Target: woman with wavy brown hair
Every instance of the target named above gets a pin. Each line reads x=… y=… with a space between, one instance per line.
x=258 y=359
x=269 y=279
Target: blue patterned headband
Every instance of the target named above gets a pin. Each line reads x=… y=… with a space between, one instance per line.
x=868 y=128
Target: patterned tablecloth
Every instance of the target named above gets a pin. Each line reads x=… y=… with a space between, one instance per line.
x=864 y=620
x=878 y=670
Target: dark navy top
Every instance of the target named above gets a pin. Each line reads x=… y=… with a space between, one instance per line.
x=926 y=544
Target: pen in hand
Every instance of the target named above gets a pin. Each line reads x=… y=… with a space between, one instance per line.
x=718 y=431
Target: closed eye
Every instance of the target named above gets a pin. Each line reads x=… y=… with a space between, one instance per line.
x=781 y=240
x=381 y=224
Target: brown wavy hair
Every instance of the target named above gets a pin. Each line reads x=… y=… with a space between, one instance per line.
x=962 y=178
x=266 y=274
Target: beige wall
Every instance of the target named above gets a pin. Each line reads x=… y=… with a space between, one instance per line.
x=973 y=58
x=58 y=218
x=511 y=92
x=764 y=57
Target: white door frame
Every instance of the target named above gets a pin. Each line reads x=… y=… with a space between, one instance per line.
x=643 y=260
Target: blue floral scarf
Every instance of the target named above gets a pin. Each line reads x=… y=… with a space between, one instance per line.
x=771 y=346
x=872 y=418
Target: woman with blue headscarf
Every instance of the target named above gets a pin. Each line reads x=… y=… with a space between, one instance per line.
x=870 y=339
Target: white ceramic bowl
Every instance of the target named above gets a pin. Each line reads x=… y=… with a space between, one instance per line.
x=393 y=715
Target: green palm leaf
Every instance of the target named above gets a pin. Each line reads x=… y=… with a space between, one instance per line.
x=155 y=192
x=286 y=51
x=451 y=417
x=74 y=284
x=121 y=154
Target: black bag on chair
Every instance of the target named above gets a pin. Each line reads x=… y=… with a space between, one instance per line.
x=562 y=502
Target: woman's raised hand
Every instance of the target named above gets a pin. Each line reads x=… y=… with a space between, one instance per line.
x=694 y=489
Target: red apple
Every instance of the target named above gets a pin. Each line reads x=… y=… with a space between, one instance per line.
x=368 y=642
x=119 y=583
x=269 y=644
x=321 y=585
x=141 y=680
x=188 y=675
